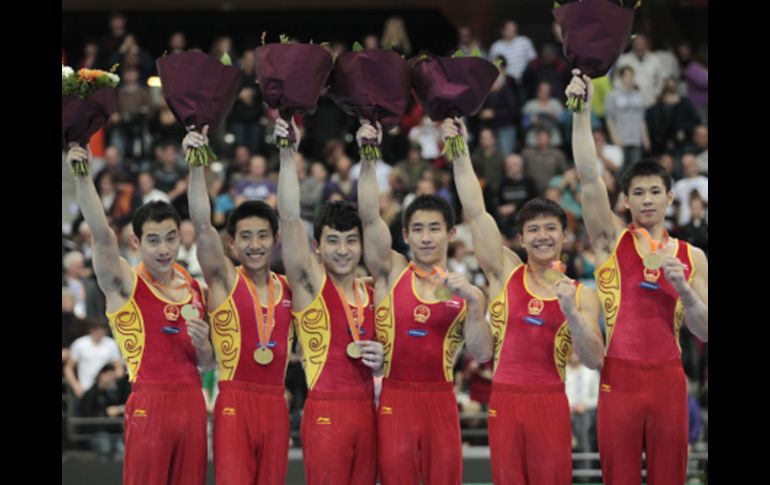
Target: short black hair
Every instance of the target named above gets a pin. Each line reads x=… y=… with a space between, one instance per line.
x=108 y=367
x=645 y=168
x=155 y=211
x=252 y=208
x=340 y=215
x=429 y=202
x=537 y=207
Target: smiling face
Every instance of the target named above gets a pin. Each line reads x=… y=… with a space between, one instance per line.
x=253 y=243
x=340 y=251
x=543 y=237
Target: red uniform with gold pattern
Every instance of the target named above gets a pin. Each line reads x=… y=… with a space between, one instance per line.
x=529 y=420
x=418 y=423
x=338 y=424
x=165 y=416
x=643 y=393
x=251 y=419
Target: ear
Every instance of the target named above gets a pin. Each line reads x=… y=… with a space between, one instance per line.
x=277 y=238
x=134 y=241
x=405 y=234
x=316 y=247
x=669 y=198
x=625 y=201
x=452 y=234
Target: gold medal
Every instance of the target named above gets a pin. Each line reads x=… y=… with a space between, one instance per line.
x=190 y=312
x=551 y=276
x=653 y=261
x=354 y=351
x=443 y=293
x=263 y=356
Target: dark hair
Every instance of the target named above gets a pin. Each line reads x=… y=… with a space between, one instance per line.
x=645 y=168
x=340 y=215
x=108 y=367
x=252 y=208
x=155 y=211
x=430 y=203
x=537 y=207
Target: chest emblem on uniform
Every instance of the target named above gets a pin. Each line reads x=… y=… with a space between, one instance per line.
x=421 y=313
x=171 y=312
x=535 y=306
x=651 y=275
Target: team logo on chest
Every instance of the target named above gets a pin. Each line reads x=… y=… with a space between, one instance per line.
x=421 y=313
x=651 y=275
x=171 y=312
x=535 y=306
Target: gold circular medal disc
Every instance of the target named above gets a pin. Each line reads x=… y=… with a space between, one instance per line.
x=263 y=356
x=354 y=351
x=189 y=312
x=551 y=276
x=653 y=261
x=443 y=293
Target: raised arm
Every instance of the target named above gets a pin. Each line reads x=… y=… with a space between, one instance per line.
x=495 y=260
x=379 y=258
x=303 y=270
x=603 y=226
x=217 y=269
x=113 y=273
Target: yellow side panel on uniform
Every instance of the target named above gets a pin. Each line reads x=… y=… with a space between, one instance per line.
x=498 y=316
x=226 y=337
x=679 y=309
x=562 y=348
x=314 y=334
x=608 y=288
x=127 y=327
x=385 y=329
x=452 y=343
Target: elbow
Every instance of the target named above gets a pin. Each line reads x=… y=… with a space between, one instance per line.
x=596 y=362
x=482 y=353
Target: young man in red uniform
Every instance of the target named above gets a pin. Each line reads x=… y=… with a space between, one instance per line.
x=334 y=313
x=538 y=318
x=423 y=316
x=251 y=329
x=649 y=284
x=156 y=315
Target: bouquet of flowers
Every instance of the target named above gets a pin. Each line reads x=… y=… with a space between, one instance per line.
x=374 y=84
x=200 y=90
x=291 y=76
x=88 y=100
x=451 y=87
x=594 y=33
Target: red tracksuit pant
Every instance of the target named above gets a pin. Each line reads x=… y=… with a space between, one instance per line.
x=251 y=434
x=419 y=434
x=530 y=435
x=339 y=438
x=165 y=433
x=643 y=407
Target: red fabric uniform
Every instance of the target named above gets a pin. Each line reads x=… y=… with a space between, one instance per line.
x=418 y=423
x=251 y=419
x=165 y=416
x=338 y=423
x=529 y=421
x=643 y=393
